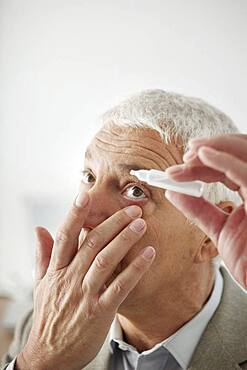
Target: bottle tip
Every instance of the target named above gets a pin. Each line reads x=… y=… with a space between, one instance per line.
x=140 y=174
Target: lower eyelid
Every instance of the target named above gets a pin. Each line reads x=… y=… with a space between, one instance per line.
x=140 y=198
x=136 y=200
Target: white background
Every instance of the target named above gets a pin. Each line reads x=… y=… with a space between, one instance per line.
x=63 y=63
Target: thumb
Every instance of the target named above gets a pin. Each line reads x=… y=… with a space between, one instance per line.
x=208 y=217
x=44 y=247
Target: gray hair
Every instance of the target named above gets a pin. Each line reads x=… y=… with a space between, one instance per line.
x=175 y=116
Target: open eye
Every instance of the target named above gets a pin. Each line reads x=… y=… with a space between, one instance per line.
x=134 y=192
x=87 y=177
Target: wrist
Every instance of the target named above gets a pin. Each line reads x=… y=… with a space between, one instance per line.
x=24 y=362
x=21 y=363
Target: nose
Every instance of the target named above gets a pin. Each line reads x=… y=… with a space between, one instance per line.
x=103 y=204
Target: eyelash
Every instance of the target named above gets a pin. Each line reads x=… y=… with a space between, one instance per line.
x=87 y=173
x=129 y=186
x=84 y=173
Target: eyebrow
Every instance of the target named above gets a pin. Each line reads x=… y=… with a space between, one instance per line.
x=132 y=166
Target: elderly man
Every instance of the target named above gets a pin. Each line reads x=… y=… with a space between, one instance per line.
x=141 y=287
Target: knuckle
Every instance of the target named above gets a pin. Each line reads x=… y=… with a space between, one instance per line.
x=90 y=242
x=86 y=286
x=126 y=235
x=92 y=239
x=57 y=278
x=65 y=284
x=74 y=212
x=91 y=309
x=62 y=235
x=120 y=288
x=102 y=262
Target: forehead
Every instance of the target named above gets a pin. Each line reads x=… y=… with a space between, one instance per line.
x=133 y=147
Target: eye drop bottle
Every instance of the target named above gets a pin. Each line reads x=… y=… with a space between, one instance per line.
x=160 y=179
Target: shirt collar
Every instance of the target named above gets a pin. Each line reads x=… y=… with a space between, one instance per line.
x=184 y=341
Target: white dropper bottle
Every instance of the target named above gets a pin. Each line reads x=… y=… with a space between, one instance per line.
x=160 y=179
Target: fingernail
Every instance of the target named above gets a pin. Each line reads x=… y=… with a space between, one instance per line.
x=197 y=141
x=168 y=194
x=148 y=253
x=189 y=155
x=82 y=199
x=207 y=151
x=133 y=211
x=137 y=225
x=175 y=169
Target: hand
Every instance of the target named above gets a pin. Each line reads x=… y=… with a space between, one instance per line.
x=223 y=159
x=73 y=306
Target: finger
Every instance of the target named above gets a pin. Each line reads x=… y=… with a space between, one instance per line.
x=100 y=236
x=199 y=140
x=66 y=242
x=83 y=233
x=236 y=145
x=232 y=144
x=232 y=245
x=108 y=259
x=209 y=218
x=185 y=172
x=126 y=281
x=191 y=158
x=234 y=228
x=43 y=252
x=234 y=168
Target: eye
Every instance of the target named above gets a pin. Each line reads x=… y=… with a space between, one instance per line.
x=135 y=192
x=87 y=177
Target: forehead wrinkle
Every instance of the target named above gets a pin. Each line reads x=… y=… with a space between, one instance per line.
x=149 y=134
x=108 y=139
x=89 y=156
x=153 y=163
x=159 y=158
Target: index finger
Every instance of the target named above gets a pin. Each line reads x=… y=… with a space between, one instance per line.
x=234 y=144
x=102 y=235
x=66 y=241
x=186 y=172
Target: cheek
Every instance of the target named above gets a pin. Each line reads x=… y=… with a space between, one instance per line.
x=169 y=232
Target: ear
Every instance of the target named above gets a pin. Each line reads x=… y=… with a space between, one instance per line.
x=207 y=250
